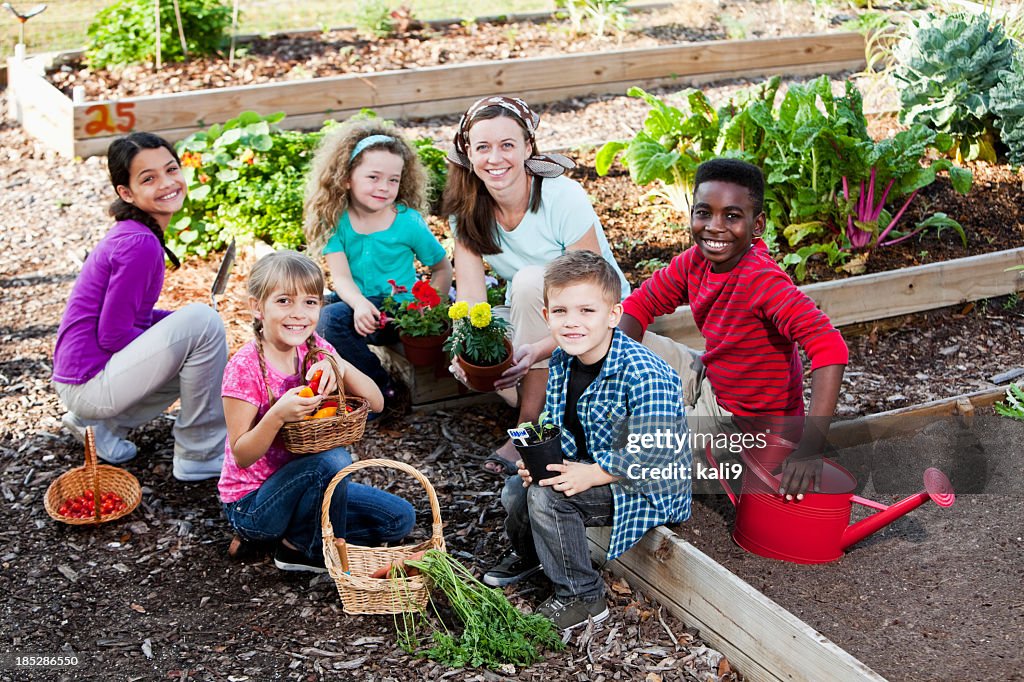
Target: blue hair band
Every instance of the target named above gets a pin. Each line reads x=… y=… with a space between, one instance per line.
x=368 y=141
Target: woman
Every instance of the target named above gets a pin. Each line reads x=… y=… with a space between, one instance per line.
x=512 y=206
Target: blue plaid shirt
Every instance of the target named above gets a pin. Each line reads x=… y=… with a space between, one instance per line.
x=636 y=393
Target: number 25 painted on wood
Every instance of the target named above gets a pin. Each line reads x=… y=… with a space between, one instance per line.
x=103 y=122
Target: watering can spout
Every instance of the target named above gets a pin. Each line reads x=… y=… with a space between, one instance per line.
x=937 y=488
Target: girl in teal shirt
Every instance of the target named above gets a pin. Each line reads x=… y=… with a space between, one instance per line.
x=363 y=199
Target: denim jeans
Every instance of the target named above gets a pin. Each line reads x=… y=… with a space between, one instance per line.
x=338 y=327
x=287 y=506
x=544 y=524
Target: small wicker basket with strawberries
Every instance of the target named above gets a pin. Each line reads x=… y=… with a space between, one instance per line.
x=94 y=493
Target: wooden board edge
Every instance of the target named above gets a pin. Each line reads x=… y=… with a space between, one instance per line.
x=753 y=632
x=907 y=420
x=926 y=286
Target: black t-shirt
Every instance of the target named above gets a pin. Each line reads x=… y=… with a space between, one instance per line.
x=580 y=377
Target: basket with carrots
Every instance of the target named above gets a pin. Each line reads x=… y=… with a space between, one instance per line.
x=94 y=493
x=339 y=420
x=376 y=580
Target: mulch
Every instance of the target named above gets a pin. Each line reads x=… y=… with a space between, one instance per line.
x=935 y=595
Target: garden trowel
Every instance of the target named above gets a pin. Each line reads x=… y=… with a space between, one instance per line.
x=220 y=282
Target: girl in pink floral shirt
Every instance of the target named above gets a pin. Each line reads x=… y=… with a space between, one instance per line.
x=268 y=493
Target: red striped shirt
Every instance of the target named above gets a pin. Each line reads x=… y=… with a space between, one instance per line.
x=752 y=319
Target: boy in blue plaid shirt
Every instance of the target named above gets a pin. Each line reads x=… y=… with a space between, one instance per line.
x=604 y=391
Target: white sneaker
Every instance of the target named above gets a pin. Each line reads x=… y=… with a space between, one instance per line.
x=196 y=470
x=109 y=447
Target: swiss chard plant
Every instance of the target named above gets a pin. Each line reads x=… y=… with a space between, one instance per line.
x=674 y=141
x=946 y=67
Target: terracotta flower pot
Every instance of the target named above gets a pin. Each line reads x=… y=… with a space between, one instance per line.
x=482 y=378
x=537 y=456
x=423 y=351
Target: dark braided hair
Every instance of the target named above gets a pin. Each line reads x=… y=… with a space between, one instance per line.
x=120 y=155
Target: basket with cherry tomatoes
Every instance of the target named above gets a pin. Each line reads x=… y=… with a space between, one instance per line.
x=94 y=493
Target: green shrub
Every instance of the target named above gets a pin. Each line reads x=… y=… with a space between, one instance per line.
x=945 y=68
x=246 y=179
x=374 y=18
x=125 y=32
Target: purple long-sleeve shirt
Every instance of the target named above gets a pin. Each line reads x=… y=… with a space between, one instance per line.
x=111 y=303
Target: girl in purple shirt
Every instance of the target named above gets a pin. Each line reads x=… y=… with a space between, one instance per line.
x=118 y=361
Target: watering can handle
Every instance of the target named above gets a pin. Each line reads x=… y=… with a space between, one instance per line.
x=760 y=471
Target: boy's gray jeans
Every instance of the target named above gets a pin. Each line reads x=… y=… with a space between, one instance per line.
x=544 y=524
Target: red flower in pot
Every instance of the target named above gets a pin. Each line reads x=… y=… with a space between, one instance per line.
x=422 y=322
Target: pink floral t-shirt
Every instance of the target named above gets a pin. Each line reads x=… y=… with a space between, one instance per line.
x=244 y=380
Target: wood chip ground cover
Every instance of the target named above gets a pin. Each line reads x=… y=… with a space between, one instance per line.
x=156 y=596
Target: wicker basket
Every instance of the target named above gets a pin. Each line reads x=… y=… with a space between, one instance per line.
x=311 y=436
x=99 y=478
x=351 y=565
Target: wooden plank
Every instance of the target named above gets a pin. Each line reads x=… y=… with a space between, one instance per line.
x=760 y=638
x=41 y=109
x=911 y=419
x=355 y=91
x=92 y=146
x=427 y=384
x=889 y=294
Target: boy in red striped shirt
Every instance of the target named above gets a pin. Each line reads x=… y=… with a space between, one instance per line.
x=749 y=378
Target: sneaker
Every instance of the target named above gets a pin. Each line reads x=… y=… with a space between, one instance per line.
x=510 y=570
x=570 y=614
x=109 y=447
x=288 y=559
x=198 y=470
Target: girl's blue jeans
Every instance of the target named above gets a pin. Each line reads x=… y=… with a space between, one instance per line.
x=338 y=327
x=287 y=506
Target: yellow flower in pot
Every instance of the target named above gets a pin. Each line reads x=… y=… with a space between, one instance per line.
x=479 y=342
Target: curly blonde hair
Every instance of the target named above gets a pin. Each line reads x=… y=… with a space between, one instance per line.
x=326 y=191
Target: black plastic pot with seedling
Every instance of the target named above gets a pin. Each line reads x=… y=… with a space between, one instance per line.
x=539 y=444
x=23 y=18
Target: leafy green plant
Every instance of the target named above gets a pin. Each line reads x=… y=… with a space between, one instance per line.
x=374 y=18
x=494 y=632
x=125 y=32
x=1007 y=102
x=946 y=67
x=1013 y=406
x=539 y=430
x=673 y=141
x=436 y=163
x=598 y=14
x=246 y=178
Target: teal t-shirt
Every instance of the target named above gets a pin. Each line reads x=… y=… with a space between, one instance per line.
x=388 y=254
x=563 y=217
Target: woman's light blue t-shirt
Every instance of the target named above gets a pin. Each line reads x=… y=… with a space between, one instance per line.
x=375 y=258
x=564 y=216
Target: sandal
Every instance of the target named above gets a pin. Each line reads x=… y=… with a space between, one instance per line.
x=507 y=468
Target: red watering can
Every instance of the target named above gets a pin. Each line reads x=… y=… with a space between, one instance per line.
x=817 y=528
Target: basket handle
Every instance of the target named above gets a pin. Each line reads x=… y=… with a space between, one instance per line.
x=91 y=468
x=339 y=388
x=436 y=535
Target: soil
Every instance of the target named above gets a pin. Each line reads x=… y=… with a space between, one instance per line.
x=935 y=595
x=333 y=53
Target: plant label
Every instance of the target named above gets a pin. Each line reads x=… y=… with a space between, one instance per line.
x=518 y=434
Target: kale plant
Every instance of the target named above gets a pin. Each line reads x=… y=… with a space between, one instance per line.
x=946 y=67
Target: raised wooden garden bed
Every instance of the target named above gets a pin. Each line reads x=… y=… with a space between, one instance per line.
x=81 y=128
